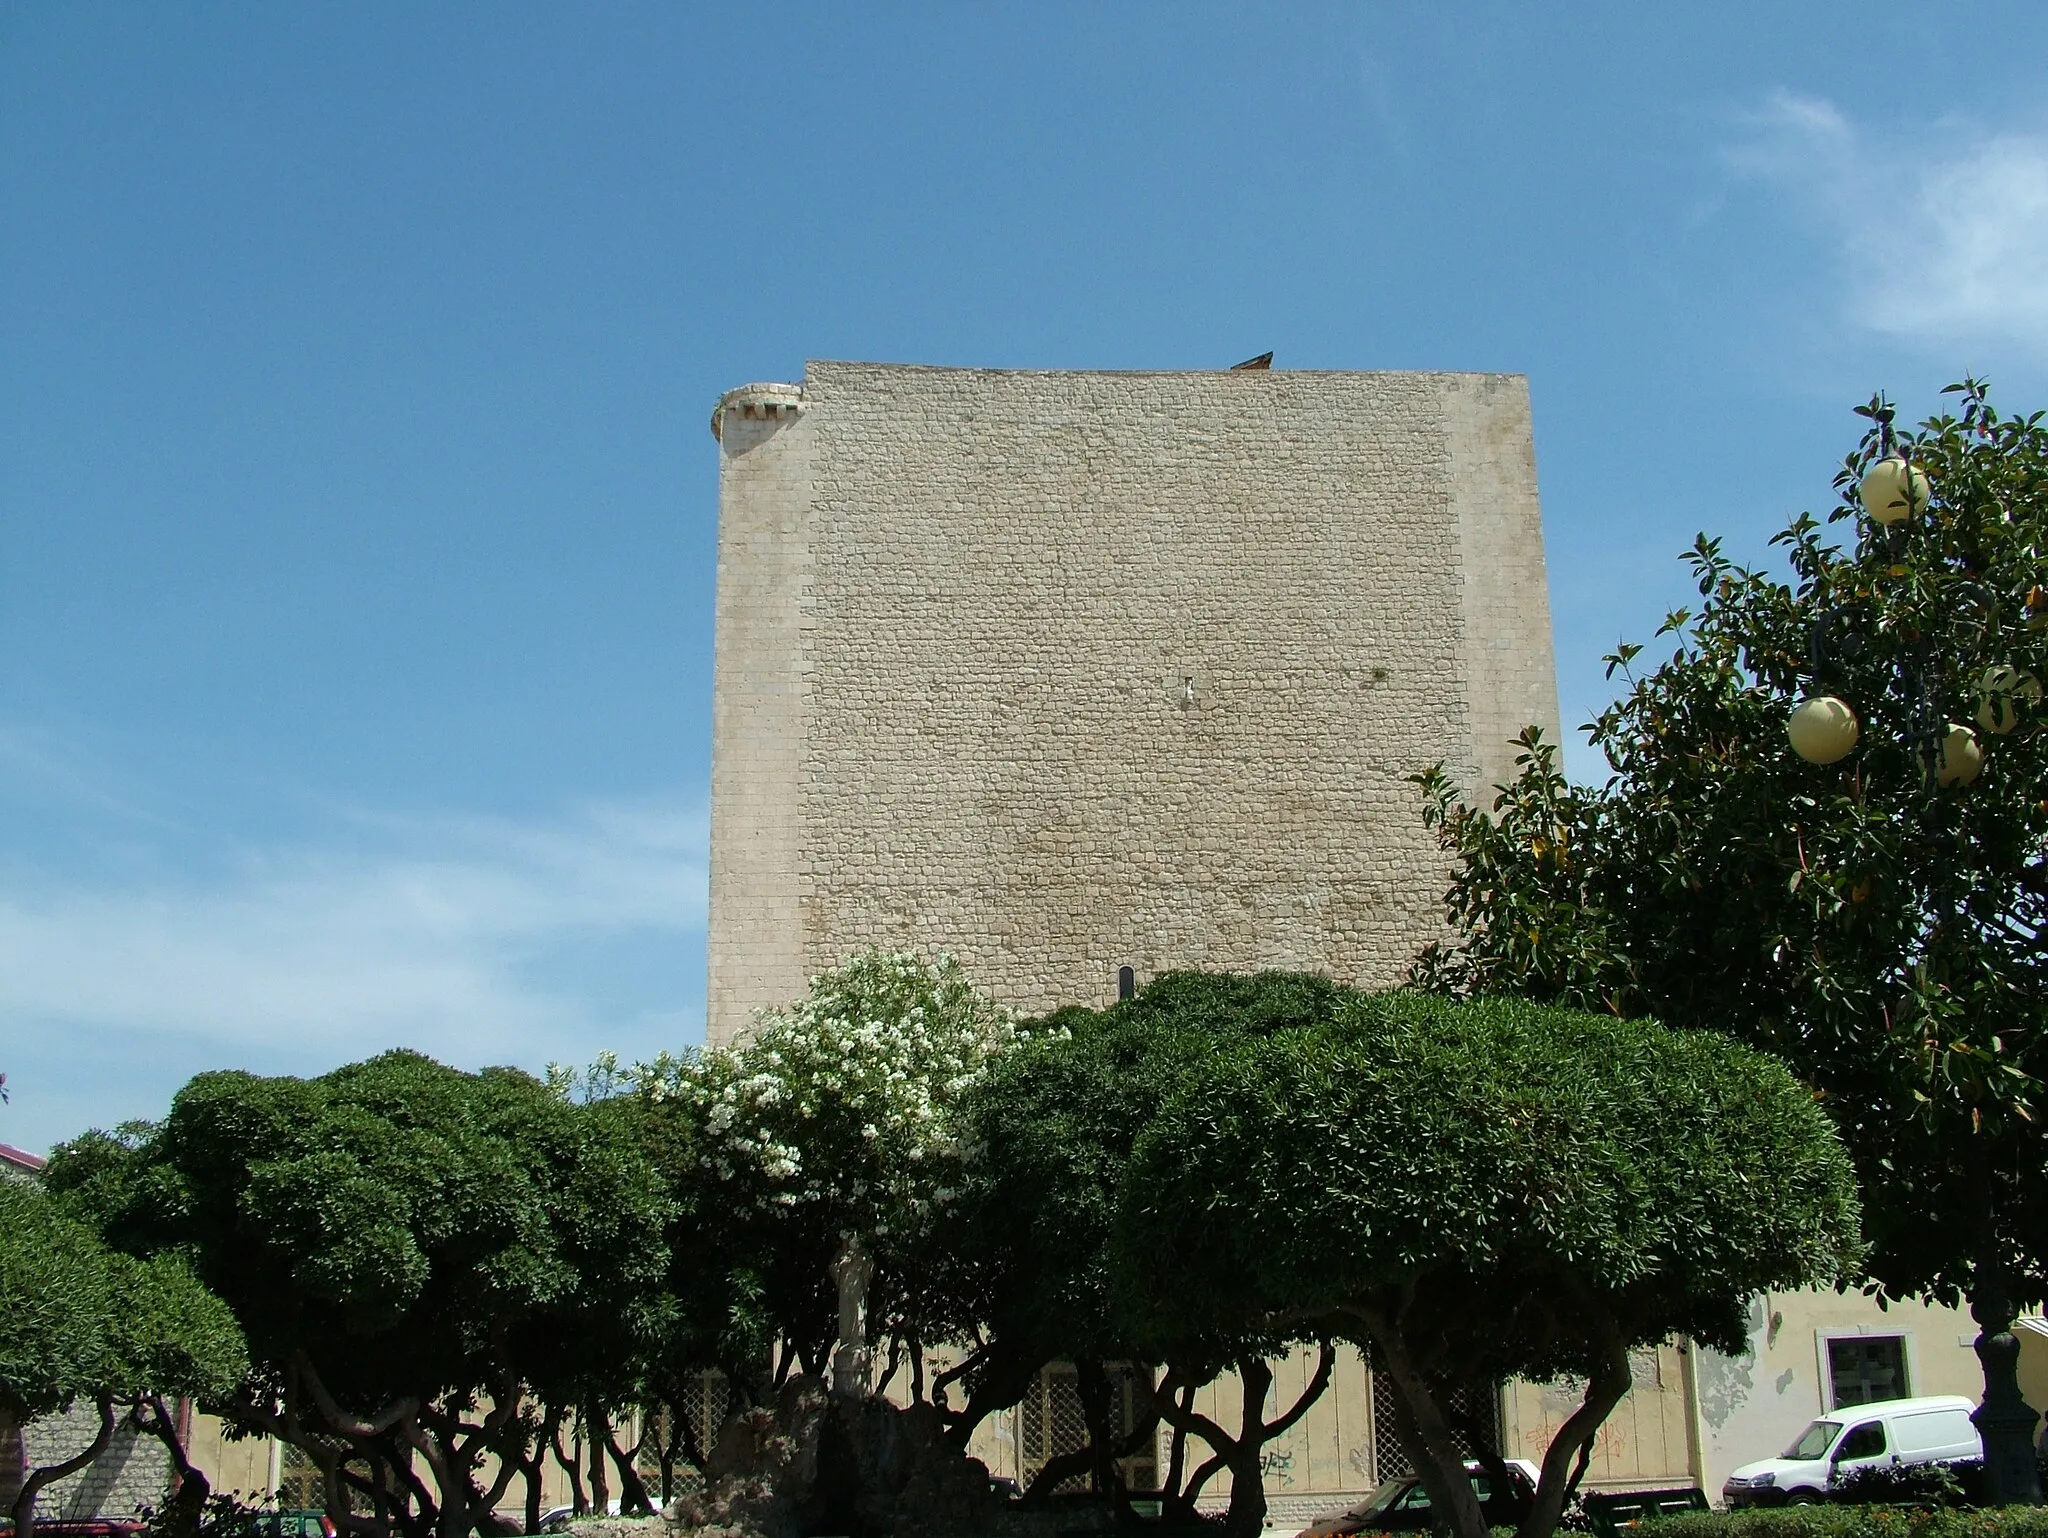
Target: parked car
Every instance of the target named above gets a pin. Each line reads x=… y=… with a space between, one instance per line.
x=245 y=1524
x=556 y=1519
x=1894 y=1433
x=264 y=1523
x=1401 y=1504
x=1613 y=1512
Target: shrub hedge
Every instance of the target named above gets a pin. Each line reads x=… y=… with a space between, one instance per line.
x=1831 y=1521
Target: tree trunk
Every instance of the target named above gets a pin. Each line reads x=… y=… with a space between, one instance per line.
x=571 y=1461
x=597 y=1432
x=377 y=1485
x=25 y=1499
x=1609 y=1382
x=889 y=1372
x=1056 y=1471
x=435 y=1438
x=332 y=1500
x=632 y=1488
x=534 y=1465
x=682 y=1440
x=1091 y=1383
x=1243 y=1454
x=667 y=1447
x=421 y=1512
x=1177 y=1506
x=190 y=1487
x=1424 y=1433
x=532 y=1474
x=1246 y=1516
x=999 y=1387
x=483 y=1506
x=400 y=1417
x=1175 y=1403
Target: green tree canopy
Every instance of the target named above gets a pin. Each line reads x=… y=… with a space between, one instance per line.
x=403 y=1244
x=81 y=1321
x=1481 y=1190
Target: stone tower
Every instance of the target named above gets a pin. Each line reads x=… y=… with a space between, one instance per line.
x=1063 y=672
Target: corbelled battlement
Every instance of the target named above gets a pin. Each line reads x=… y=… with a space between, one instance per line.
x=757 y=402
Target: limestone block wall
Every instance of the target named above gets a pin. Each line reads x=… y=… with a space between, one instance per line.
x=1067 y=671
x=131 y=1472
x=756 y=951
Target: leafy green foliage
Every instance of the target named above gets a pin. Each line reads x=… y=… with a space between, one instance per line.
x=1053 y=1126
x=1495 y=1150
x=1958 y=1482
x=220 y=1514
x=1479 y=1190
x=56 y=1325
x=81 y=1321
x=1882 y=936
x=174 y=1337
x=395 y=1218
x=78 y=1319
x=1857 y=1522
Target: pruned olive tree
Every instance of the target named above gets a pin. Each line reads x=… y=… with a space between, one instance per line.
x=1052 y=1126
x=405 y=1247
x=1479 y=1190
x=81 y=1322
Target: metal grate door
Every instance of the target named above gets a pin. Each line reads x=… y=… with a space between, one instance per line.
x=1481 y=1405
x=1050 y=1422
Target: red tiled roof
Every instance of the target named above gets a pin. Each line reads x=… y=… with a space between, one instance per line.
x=22 y=1159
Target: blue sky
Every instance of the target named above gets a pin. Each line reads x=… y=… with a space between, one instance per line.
x=357 y=510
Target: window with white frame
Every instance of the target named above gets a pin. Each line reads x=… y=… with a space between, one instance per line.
x=1863 y=1369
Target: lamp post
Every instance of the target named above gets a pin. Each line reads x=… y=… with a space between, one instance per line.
x=1942 y=654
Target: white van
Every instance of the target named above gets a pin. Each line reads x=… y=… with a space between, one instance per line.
x=1890 y=1433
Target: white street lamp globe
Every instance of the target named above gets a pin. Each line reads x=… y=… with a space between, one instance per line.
x=1893 y=490
x=1962 y=757
x=2000 y=692
x=1823 y=729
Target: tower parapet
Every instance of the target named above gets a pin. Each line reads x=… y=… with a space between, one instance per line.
x=757 y=402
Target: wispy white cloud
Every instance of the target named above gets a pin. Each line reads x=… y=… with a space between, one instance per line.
x=1941 y=231
x=448 y=935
